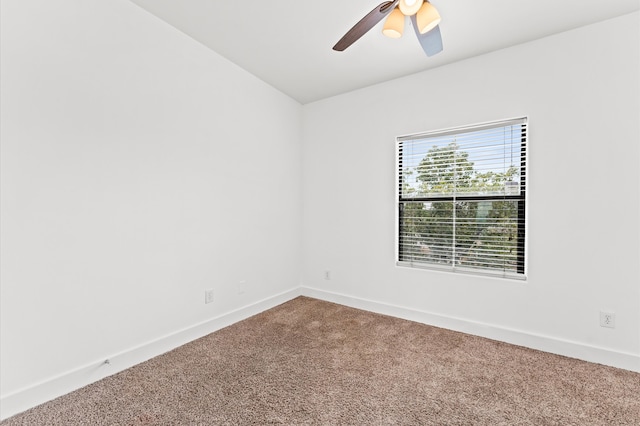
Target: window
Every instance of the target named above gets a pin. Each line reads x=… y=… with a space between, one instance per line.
x=461 y=199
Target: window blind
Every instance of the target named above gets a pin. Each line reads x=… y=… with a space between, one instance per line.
x=462 y=199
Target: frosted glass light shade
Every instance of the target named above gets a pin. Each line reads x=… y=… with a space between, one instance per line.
x=410 y=7
x=428 y=18
x=394 y=25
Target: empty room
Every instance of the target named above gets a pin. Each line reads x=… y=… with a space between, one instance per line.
x=331 y=213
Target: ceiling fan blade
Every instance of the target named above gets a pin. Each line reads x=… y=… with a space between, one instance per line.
x=365 y=24
x=431 y=41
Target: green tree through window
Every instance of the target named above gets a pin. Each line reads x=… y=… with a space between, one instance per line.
x=462 y=199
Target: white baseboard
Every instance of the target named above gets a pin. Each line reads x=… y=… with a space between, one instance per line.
x=54 y=387
x=627 y=361
x=31 y=396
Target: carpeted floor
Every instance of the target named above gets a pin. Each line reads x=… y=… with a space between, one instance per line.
x=314 y=362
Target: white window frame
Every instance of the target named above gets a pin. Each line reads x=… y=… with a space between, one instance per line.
x=522 y=198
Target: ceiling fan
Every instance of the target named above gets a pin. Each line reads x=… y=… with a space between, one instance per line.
x=425 y=20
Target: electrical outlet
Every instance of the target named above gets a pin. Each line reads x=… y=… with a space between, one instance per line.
x=208 y=296
x=242 y=287
x=607 y=319
x=327 y=275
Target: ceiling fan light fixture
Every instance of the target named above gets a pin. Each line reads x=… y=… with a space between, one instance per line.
x=394 y=25
x=428 y=18
x=410 y=7
x=430 y=41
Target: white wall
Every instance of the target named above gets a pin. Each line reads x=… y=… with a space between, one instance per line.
x=138 y=169
x=580 y=91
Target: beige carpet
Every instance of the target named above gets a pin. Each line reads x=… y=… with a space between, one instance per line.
x=313 y=362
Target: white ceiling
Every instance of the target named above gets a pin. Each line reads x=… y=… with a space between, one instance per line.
x=287 y=43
